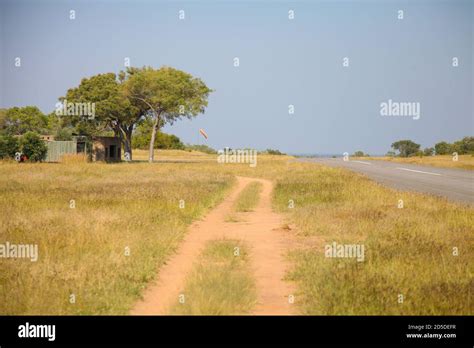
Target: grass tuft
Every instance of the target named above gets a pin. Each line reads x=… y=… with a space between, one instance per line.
x=221 y=283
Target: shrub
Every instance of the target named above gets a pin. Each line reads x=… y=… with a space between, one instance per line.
x=201 y=148
x=406 y=148
x=429 y=151
x=33 y=147
x=274 y=152
x=63 y=134
x=8 y=146
x=162 y=141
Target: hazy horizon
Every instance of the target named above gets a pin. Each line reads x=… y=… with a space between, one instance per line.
x=282 y=61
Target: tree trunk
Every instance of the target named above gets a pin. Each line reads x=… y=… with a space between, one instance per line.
x=152 y=140
x=125 y=135
x=128 y=142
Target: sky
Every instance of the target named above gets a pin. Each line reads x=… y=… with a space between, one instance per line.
x=282 y=62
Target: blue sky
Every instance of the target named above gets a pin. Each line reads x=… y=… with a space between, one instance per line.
x=282 y=62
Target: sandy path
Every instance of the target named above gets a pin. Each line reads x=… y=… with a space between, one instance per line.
x=261 y=231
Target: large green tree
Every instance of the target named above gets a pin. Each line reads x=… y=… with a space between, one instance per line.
x=406 y=147
x=464 y=146
x=3 y=120
x=125 y=100
x=20 y=120
x=166 y=95
x=113 y=111
x=442 y=148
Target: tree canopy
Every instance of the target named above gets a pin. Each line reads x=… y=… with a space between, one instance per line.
x=113 y=111
x=124 y=101
x=165 y=95
x=406 y=148
x=462 y=147
x=20 y=120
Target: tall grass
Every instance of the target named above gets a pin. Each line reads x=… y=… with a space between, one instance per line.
x=221 y=283
x=408 y=251
x=73 y=158
x=83 y=250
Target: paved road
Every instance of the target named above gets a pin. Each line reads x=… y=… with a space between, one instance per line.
x=454 y=184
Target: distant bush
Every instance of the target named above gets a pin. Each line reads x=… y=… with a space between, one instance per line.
x=406 y=148
x=462 y=147
x=419 y=153
x=274 y=152
x=201 y=148
x=8 y=146
x=162 y=141
x=442 y=148
x=466 y=145
x=429 y=151
x=33 y=147
x=359 y=154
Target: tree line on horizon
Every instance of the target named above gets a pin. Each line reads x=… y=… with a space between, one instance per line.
x=408 y=148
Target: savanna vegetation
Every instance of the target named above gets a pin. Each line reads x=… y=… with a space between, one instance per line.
x=408 y=148
x=459 y=154
x=102 y=230
x=420 y=251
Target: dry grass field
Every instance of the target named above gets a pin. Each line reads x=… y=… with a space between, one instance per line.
x=409 y=251
x=135 y=207
x=119 y=209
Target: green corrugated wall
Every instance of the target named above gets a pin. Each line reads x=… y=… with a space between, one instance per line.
x=58 y=148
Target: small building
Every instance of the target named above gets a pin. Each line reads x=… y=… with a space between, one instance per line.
x=97 y=148
x=106 y=149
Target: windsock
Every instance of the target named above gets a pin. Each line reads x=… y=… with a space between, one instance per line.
x=203 y=133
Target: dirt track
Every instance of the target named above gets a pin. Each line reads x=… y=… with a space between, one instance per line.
x=261 y=230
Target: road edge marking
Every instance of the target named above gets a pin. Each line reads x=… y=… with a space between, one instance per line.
x=418 y=171
x=362 y=162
